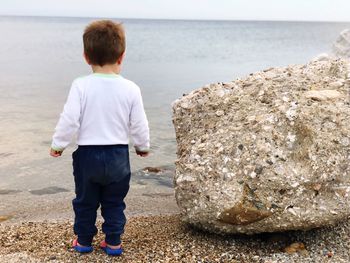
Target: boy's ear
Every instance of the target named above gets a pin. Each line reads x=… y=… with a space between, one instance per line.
x=86 y=58
x=120 y=59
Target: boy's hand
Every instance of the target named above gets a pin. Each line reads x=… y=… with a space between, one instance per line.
x=142 y=154
x=55 y=153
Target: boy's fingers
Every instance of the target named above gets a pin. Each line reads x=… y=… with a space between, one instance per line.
x=142 y=154
x=54 y=153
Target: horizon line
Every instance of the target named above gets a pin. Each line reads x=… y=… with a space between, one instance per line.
x=175 y=19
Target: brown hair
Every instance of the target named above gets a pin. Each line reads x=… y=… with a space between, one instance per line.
x=104 y=42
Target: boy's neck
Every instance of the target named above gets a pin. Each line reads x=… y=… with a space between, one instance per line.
x=107 y=69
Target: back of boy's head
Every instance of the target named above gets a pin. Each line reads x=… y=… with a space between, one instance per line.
x=104 y=42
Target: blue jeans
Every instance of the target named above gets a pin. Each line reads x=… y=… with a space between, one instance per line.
x=102 y=177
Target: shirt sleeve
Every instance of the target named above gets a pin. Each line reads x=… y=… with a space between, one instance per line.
x=69 y=121
x=139 y=129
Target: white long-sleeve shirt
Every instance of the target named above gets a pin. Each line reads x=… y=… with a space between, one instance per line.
x=103 y=109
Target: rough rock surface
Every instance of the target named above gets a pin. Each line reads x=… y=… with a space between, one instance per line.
x=269 y=152
x=341 y=48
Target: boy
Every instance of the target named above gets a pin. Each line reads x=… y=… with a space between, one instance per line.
x=103 y=109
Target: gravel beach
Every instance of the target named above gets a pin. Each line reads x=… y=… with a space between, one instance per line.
x=167 y=239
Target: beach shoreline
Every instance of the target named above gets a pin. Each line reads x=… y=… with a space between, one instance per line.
x=165 y=238
x=151 y=193
x=37 y=226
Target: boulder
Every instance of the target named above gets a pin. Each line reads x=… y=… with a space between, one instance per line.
x=269 y=152
x=341 y=47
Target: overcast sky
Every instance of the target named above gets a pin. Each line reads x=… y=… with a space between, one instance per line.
x=314 y=10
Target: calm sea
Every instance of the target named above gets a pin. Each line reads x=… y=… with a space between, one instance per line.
x=39 y=58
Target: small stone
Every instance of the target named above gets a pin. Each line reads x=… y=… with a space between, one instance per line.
x=152 y=169
x=294 y=248
x=317 y=187
x=258 y=169
x=329 y=254
x=220 y=113
x=253 y=175
x=322 y=95
x=4 y=218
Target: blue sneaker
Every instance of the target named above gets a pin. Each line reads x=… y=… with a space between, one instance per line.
x=111 y=251
x=81 y=249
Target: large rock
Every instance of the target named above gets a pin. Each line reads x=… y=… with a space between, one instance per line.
x=269 y=152
x=341 y=48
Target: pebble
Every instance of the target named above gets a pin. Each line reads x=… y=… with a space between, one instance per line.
x=4 y=218
x=294 y=247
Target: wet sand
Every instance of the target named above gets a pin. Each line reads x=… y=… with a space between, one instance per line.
x=151 y=193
